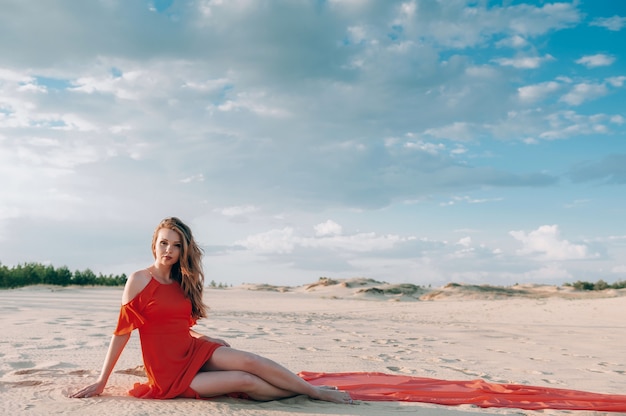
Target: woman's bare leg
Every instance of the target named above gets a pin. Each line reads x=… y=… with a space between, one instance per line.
x=229 y=359
x=219 y=383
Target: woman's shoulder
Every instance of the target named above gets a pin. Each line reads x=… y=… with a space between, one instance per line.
x=135 y=283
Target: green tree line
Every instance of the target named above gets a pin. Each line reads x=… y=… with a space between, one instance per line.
x=38 y=274
x=599 y=285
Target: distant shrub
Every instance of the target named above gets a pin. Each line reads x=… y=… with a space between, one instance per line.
x=599 y=285
x=220 y=285
x=620 y=284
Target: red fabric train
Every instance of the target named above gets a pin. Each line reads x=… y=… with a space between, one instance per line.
x=391 y=387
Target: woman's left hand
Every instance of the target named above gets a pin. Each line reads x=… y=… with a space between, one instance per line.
x=217 y=341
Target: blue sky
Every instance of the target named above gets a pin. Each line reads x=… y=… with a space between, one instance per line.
x=405 y=141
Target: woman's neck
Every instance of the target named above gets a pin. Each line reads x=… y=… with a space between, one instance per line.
x=161 y=273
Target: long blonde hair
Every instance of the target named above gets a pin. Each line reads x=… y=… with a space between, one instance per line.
x=188 y=270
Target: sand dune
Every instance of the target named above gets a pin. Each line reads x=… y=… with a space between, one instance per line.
x=362 y=288
x=54 y=341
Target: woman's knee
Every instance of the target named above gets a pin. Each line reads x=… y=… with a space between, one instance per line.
x=249 y=383
x=252 y=362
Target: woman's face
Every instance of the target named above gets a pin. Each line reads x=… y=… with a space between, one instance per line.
x=168 y=247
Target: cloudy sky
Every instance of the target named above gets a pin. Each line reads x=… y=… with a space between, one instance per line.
x=415 y=141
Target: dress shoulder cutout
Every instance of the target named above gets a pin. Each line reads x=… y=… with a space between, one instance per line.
x=136 y=283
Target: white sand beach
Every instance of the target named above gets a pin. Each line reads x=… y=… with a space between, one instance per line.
x=54 y=340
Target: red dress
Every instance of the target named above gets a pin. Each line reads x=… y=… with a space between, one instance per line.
x=171 y=356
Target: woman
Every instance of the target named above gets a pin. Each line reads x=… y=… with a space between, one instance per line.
x=163 y=302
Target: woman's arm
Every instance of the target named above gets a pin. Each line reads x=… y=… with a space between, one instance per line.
x=118 y=342
x=135 y=283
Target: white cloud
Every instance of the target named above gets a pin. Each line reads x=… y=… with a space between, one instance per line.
x=549 y=273
x=356 y=34
x=461 y=131
x=565 y=124
x=468 y=200
x=255 y=103
x=135 y=83
x=9 y=75
x=537 y=92
x=546 y=243
x=614 y=23
x=280 y=241
x=235 y=211
x=432 y=148
x=524 y=62
x=76 y=122
x=193 y=178
x=515 y=41
x=360 y=242
x=465 y=241
x=32 y=87
x=327 y=237
x=459 y=150
x=616 y=82
x=530 y=20
x=211 y=85
x=584 y=92
x=52 y=153
x=594 y=61
x=617 y=119
x=328 y=228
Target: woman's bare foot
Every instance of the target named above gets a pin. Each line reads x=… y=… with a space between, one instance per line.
x=331 y=394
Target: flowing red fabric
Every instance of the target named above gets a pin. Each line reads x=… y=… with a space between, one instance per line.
x=391 y=387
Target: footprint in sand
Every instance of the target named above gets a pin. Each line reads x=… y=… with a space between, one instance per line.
x=545 y=360
x=595 y=370
x=540 y=373
x=470 y=373
x=549 y=381
x=403 y=370
x=42 y=371
x=311 y=349
x=498 y=351
x=370 y=358
x=21 y=364
x=24 y=383
x=351 y=347
x=81 y=373
x=27 y=372
x=52 y=347
x=136 y=371
x=612 y=367
x=386 y=341
x=448 y=360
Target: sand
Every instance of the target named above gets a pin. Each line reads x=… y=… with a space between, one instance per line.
x=54 y=341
